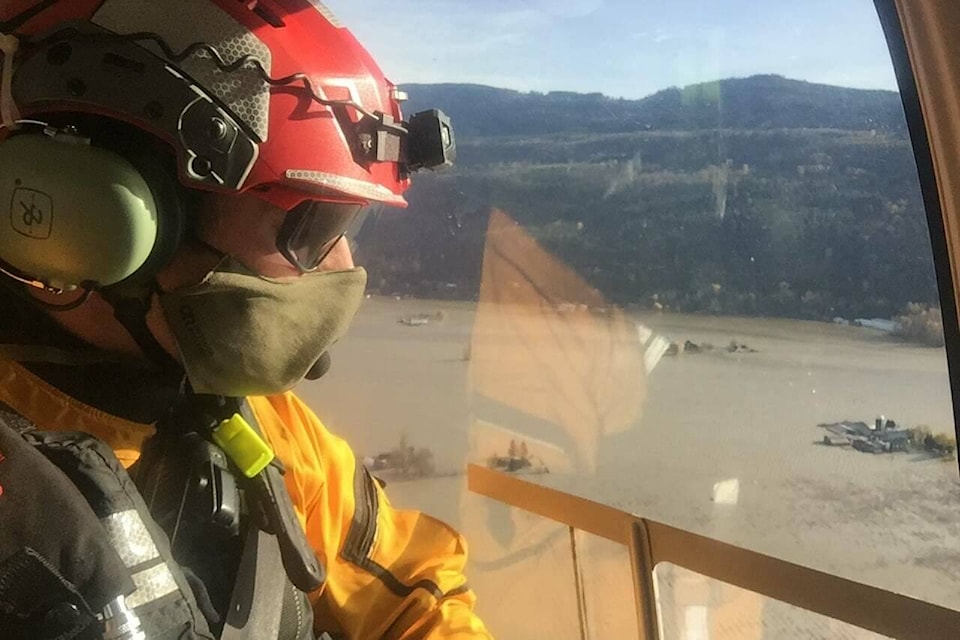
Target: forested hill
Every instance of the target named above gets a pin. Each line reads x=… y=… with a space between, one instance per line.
x=759 y=195
x=757 y=102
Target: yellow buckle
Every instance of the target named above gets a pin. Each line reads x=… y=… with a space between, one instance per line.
x=244 y=445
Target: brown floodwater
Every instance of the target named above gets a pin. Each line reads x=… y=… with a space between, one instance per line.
x=723 y=443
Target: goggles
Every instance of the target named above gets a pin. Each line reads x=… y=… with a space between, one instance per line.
x=311 y=230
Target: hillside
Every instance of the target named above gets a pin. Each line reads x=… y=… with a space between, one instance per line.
x=757 y=102
x=753 y=196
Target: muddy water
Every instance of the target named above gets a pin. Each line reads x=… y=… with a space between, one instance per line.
x=724 y=444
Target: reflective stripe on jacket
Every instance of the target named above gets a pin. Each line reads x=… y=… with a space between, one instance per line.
x=390 y=573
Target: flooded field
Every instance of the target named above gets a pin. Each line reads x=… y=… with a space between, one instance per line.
x=723 y=443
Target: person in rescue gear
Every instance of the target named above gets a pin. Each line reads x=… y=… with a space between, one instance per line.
x=179 y=177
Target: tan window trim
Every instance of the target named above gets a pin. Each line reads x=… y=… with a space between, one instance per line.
x=652 y=542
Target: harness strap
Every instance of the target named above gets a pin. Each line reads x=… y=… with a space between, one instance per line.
x=299 y=559
x=275 y=566
x=257 y=600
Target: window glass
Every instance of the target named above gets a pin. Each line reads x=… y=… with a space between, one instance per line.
x=608 y=588
x=681 y=267
x=691 y=605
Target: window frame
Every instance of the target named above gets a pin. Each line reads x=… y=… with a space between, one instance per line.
x=926 y=61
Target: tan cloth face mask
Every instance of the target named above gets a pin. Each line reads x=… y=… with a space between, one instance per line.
x=241 y=334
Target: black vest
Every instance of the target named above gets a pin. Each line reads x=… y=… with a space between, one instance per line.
x=59 y=569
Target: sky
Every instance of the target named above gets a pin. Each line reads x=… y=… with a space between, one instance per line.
x=622 y=48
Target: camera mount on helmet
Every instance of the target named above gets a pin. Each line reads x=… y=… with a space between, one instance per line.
x=425 y=142
x=430 y=143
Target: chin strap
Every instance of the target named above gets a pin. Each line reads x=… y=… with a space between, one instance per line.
x=131 y=312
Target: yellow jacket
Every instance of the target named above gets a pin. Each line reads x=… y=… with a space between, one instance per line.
x=390 y=573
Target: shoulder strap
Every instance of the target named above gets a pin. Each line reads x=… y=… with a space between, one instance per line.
x=275 y=555
x=268 y=489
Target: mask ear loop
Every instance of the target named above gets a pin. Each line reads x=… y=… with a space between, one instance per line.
x=9 y=113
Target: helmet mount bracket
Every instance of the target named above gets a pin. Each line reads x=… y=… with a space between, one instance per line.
x=89 y=69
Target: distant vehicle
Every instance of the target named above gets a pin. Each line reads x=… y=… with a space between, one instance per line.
x=836 y=440
x=895 y=440
x=517 y=459
x=880 y=324
x=508 y=463
x=868 y=445
x=845 y=431
x=883 y=436
x=415 y=321
x=403 y=462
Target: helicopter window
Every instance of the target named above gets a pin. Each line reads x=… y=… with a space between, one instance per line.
x=681 y=267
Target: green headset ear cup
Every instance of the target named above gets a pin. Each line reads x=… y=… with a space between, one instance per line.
x=171 y=204
x=110 y=214
x=77 y=214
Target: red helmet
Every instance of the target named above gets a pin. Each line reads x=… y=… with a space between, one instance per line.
x=274 y=97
